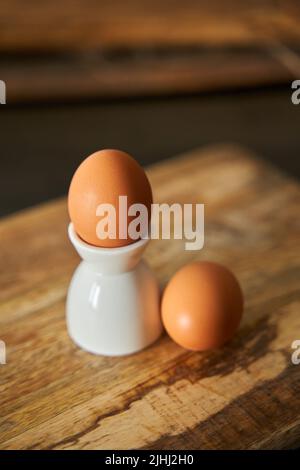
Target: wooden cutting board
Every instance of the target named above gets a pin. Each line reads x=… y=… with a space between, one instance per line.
x=245 y=395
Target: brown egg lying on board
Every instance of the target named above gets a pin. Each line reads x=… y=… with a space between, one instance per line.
x=101 y=179
x=202 y=306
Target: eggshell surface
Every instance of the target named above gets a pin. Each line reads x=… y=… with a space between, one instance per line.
x=202 y=306
x=101 y=179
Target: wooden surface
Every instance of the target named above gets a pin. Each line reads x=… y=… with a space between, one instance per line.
x=86 y=24
x=144 y=73
x=88 y=49
x=246 y=395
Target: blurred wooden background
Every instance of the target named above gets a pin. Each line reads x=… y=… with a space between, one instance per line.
x=88 y=24
x=65 y=50
x=152 y=77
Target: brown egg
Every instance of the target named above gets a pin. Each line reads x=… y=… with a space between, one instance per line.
x=101 y=179
x=202 y=306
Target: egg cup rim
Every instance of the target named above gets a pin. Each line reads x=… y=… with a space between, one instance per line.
x=78 y=241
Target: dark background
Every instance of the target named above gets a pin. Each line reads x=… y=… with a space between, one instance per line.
x=41 y=145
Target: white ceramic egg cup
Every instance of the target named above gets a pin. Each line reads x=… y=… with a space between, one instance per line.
x=113 y=299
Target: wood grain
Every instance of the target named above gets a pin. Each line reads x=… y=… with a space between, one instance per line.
x=245 y=395
x=64 y=53
x=141 y=73
x=86 y=24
